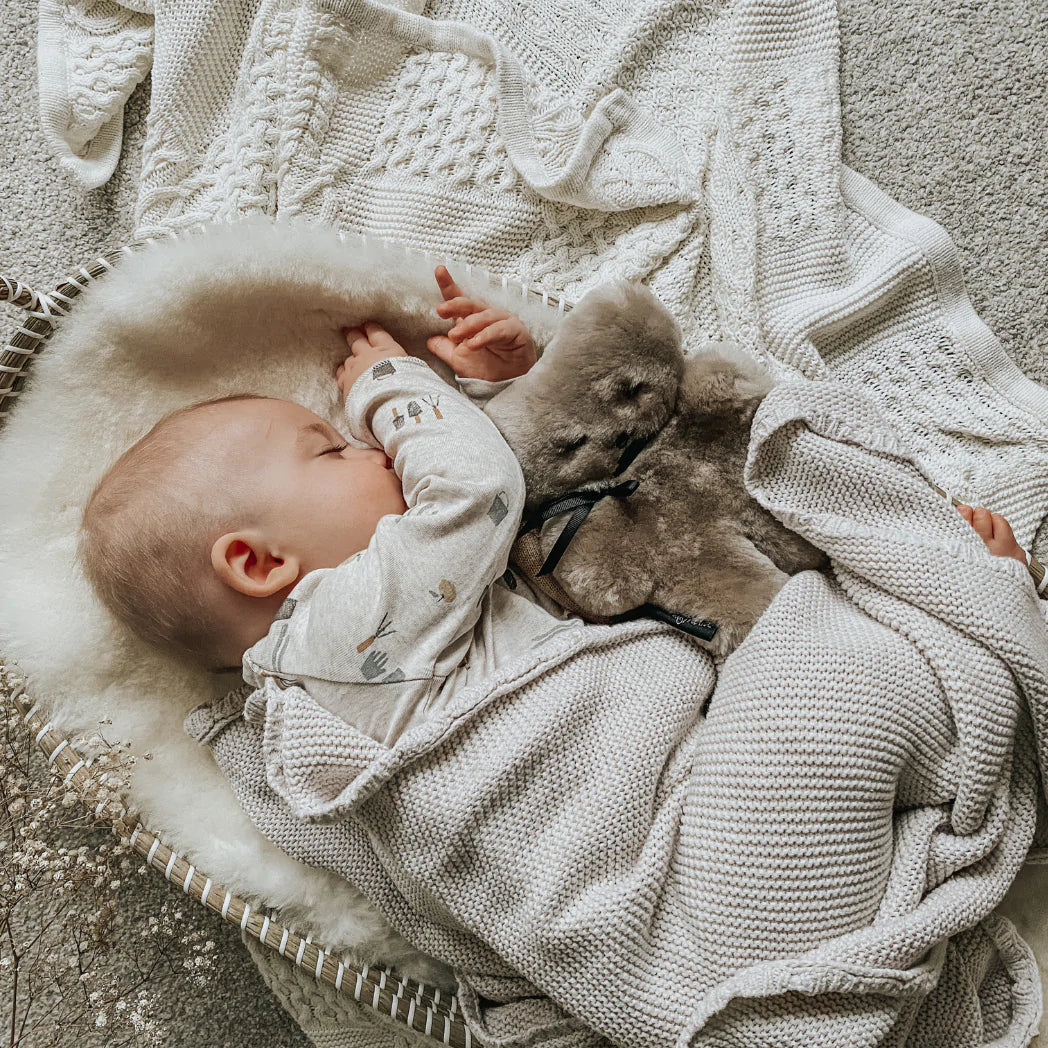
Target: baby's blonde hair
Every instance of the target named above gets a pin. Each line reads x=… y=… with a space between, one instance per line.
x=147 y=532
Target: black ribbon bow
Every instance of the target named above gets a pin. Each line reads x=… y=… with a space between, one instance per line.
x=579 y=504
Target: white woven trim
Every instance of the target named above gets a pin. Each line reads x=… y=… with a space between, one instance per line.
x=57 y=750
x=73 y=770
x=399 y=987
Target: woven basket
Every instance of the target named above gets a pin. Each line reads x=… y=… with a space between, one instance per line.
x=418 y=1007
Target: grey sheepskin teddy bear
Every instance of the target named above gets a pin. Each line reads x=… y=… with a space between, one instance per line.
x=645 y=449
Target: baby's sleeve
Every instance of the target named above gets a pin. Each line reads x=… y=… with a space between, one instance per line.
x=389 y=613
x=481 y=390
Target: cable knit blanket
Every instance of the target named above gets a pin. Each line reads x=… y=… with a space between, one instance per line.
x=692 y=145
x=821 y=854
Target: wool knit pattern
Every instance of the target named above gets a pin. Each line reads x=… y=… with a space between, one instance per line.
x=693 y=146
x=862 y=789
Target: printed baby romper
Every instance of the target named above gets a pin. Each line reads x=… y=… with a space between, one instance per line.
x=385 y=637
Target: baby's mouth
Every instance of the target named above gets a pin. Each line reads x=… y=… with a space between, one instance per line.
x=389 y=462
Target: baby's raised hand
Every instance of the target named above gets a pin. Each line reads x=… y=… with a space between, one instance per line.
x=485 y=342
x=368 y=344
x=994 y=530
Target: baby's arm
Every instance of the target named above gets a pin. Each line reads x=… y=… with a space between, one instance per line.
x=387 y=614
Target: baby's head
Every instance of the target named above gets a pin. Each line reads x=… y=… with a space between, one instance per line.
x=198 y=532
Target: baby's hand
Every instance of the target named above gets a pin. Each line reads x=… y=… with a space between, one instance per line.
x=368 y=344
x=994 y=530
x=486 y=343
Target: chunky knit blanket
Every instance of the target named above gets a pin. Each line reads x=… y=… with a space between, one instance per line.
x=694 y=146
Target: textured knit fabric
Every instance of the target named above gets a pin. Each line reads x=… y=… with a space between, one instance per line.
x=388 y=636
x=560 y=142
x=91 y=56
x=544 y=139
x=814 y=862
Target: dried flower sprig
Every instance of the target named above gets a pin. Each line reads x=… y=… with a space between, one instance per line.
x=71 y=970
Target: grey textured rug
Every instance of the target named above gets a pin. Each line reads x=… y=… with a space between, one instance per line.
x=944 y=106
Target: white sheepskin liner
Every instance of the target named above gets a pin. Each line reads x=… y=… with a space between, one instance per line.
x=255 y=307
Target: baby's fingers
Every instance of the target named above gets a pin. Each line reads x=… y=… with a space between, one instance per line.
x=982 y=522
x=356 y=339
x=448 y=288
x=965 y=511
x=368 y=335
x=469 y=326
x=460 y=307
x=1002 y=530
x=441 y=346
x=503 y=332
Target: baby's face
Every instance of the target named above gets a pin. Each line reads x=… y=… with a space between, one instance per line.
x=322 y=503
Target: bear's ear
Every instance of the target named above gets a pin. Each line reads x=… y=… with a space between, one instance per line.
x=617 y=322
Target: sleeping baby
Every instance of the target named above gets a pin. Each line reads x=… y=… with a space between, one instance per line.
x=248 y=535
x=375 y=574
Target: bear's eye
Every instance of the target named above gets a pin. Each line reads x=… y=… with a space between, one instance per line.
x=634 y=389
x=573 y=446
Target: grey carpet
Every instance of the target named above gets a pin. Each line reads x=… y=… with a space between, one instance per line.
x=944 y=106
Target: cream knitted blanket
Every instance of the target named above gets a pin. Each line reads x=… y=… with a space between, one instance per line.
x=692 y=145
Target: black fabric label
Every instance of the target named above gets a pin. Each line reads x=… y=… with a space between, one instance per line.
x=701 y=628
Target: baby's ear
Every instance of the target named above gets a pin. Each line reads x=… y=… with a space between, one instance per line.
x=245 y=563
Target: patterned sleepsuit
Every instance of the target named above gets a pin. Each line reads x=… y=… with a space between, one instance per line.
x=386 y=637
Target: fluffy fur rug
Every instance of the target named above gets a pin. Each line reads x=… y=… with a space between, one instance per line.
x=252 y=307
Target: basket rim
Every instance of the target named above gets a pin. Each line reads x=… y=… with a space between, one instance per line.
x=423 y=1008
